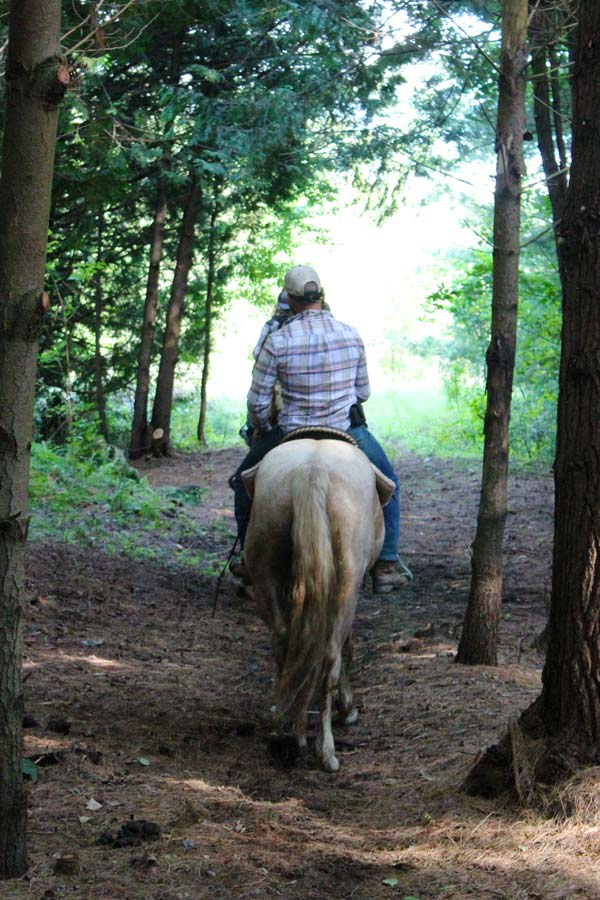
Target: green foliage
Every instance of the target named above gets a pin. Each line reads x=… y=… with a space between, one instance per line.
x=30 y=770
x=91 y=476
x=260 y=103
x=87 y=493
x=466 y=299
x=264 y=104
x=224 y=419
x=423 y=421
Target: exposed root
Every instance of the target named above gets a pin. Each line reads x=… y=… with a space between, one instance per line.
x=544 y=773
x=491 y=775
x=523 y=767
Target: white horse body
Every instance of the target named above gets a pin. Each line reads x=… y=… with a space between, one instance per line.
x=315 y=529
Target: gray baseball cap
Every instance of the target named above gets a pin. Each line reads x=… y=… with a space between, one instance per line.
x=298 y=277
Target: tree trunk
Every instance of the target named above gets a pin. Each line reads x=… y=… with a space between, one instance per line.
x=163 y=399
x=478 y=644
x=564 y=722
x=548 y=122
x=140 y=440
x=64 y=428
x=571 y=694
x=36 y=81
x=210 y=281
x=98 y=306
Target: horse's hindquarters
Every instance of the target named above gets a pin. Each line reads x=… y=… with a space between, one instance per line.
x=316 y=526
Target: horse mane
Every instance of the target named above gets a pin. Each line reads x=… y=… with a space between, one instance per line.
x=312 y=592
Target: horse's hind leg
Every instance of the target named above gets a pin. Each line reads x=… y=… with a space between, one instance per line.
x=325 y=747
x=300 y=729
x=348 y=713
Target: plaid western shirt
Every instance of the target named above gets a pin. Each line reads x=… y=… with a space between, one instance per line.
x=321 y=366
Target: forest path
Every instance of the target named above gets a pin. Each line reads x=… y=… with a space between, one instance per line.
x=176 y=704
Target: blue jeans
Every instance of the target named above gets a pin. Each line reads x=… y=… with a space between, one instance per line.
x=391 y=513
x=242 y=502
x=370 y=447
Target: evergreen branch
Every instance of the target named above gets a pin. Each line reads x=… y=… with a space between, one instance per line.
x=90 y=38
x=538 y=236
x=472 y=40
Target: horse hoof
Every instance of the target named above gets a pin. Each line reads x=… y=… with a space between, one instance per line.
x=351 y=718
x=331 y=764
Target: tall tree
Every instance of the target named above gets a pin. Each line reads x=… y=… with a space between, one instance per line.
x=140 y=439
x=98 y=310
x=478 y=643
x=36 y=79
x=163 y=398
x=548 y=24
x=208 y=319
x=562 y=727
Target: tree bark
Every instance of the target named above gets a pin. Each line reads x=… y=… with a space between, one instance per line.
x=98 y=307
x=563 y=724
x=64 y=426
x=571 y=693
x=36 y=81
x=478 y=644
x=548 y=122
x=210 y=282
x=140 y=440
x=557 y=114
x=163 y=399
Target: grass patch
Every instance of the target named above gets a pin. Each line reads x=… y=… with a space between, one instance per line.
x=422 y=421
x=224 y=418
x=92 y=497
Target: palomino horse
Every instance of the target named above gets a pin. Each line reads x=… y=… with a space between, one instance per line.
x=315 y=529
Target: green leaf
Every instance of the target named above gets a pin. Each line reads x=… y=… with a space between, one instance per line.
x=391 y=882
x=211 y=75
x=30 y=770
x=144 y=761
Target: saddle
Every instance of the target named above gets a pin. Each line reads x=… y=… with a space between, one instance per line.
x=319 y=433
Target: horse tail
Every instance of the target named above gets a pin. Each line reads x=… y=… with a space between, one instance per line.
x=312 y=592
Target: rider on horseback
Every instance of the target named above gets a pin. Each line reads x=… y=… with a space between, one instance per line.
x=321 y=366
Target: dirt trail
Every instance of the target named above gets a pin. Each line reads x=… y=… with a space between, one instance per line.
x=169 y=713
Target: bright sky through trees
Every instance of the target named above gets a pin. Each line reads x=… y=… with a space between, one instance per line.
x=380 y=275
x=372 y=275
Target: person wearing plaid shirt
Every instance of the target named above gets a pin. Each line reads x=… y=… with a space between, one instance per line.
x=321 y=366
